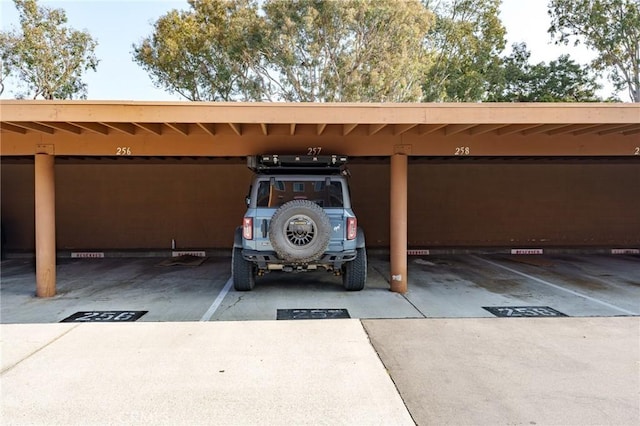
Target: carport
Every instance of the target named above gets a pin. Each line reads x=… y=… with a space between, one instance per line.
x=46 y=130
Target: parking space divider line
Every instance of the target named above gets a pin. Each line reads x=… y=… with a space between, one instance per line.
x=575 y=293
x=216 y=303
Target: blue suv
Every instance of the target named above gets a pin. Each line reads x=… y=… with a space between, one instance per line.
x=299 y=219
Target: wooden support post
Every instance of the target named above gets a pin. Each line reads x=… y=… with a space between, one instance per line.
x=45 y=225
x=398 y=225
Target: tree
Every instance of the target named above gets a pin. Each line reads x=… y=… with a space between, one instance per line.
x=207 y=53
x=304 y=50
x=348 y=51
x=6 y=59
x=465 y=42
x=611 y=28
x=47 y=57
x=562 y=80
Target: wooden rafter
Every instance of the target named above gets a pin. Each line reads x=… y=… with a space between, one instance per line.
x=209 y=128
x=94 y=127
x=182 y=128
x=155 y=128
x=63 y=126
x=237 y=128
x=127 y=128
x=402 y=128
x=375 y=128
x=348 y=128
x=34 y=126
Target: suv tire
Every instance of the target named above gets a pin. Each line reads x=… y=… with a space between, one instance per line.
x=354 y=273
x=300 y=231
x=242 y=271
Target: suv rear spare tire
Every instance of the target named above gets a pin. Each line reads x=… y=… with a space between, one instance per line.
x=300 y=231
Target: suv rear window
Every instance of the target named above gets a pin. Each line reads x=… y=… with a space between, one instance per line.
x=283 y=191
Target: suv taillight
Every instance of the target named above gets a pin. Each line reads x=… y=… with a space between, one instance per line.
x=352 y=228
x=247 y=228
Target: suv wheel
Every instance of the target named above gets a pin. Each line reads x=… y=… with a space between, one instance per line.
x=354 y=273
x=242 y=272
x=299 y=231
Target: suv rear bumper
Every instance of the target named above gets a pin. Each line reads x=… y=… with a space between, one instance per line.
x=329 y=260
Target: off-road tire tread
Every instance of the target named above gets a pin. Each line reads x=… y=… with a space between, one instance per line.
x=318 y=245
x=242 y=272
x=355 y=272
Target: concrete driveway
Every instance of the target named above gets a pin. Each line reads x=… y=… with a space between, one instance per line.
x=204 y=354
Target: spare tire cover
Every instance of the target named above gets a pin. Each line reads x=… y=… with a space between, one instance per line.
x=300 y=231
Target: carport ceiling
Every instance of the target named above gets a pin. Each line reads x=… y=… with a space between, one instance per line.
x=82 y=127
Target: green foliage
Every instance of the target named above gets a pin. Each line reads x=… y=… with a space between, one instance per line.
x=207 y=53
x=351 y=51
x=465 y=42
x=609 y=27
x=562 y=80
x=303 y=50
x=346 y=51
x=46 y=56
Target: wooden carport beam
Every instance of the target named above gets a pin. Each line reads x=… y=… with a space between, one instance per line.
x=398 y=222
x=155 y=128
x=454 y=129
x=485 y=128
x=348 y=128
x=12 y=128
x=63 y=126
x=618 y=129
x=237 y=128
x=182 y=128
x=127 y=128
x=375 y=128
x=425 y=129
x=401 y=128
x=45 y=226
x=34 y=126
x=208 y=128
x=94 y=127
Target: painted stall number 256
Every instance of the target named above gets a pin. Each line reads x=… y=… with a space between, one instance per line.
x=123 y=150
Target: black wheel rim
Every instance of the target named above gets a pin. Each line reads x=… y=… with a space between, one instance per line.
x=300 y=230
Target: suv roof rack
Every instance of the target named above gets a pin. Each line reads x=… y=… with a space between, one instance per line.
x=274 y=163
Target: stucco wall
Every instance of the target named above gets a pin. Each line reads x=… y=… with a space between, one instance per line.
x=524 y=204
x=127 y=206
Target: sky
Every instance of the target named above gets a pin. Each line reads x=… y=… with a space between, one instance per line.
x=118 y=24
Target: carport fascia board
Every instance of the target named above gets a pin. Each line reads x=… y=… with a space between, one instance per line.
x=315 y=113
x=240 y=129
